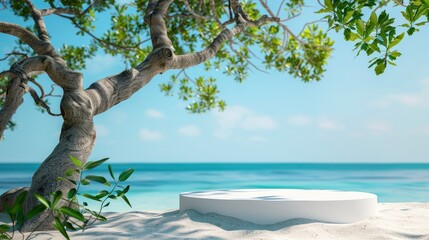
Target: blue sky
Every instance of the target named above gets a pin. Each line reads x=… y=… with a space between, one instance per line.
x=352 y=115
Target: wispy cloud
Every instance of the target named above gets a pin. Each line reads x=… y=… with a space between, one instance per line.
x=256 y=122
x=323 y=123
x=150 y=135
x=378 y=127
x=329 y=124
x=241 y=118
x=300 y=120
x=101 y=130
x=189 y=131
x=153 y=113
x=419 y=98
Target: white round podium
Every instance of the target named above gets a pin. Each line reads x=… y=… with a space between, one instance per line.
x=269 y=206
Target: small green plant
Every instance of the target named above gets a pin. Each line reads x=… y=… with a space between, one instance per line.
x=68 y=213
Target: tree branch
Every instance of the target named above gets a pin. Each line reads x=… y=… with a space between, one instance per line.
x=192 y=12
x=38 y=20
x=13 y=53
x=39 y=46
x=50 y=11
x=14 y=98
x=107 y=92
x=38 y=100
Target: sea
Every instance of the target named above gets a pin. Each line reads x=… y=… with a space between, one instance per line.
x=157 y=186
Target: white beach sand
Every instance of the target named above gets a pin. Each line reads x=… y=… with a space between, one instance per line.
x=393 y=221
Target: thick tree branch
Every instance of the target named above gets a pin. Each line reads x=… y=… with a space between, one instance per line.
x=109 y=91
x=158 y=30
x=193 y=59
x=38 y=20
x=14 y=97
x=59 y=74
x=39 y=46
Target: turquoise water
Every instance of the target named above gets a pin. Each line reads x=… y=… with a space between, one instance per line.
x=157 y=186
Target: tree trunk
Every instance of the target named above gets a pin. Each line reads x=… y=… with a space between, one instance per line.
x=77 y=139
x=78 y=106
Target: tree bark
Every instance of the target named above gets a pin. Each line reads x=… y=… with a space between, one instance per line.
x=79 y=106
x=77 y=139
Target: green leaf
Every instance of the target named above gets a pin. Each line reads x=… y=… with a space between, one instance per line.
x=18 y=204
x=56 y=197
x=85 y=181
x=126 y=200
x=111 y=171
x=42 y=200
x=102 y=194
x=411 y=30
x=99 y=217
x=92 y=197
x=125 y=174
x=379 y=69
x=328 y=5
x=395 y=54
x=21 y=198
x=126 y=189
x=347 y=32
x=71 y=193
x=4 y=228
x=76 y=162
x=396 y=40
x=360 y=26
x=70 y=226
x=60 y=227
x=35 y=211
x=94 y=164
x=99 y=179
x=72 y=213
x=70 y=171
x=66 y=179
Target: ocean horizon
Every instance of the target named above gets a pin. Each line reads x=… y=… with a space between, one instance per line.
x=156 y=186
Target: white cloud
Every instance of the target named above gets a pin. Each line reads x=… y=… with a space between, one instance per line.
x=189 y=131
x=241 y=118
x=150 y=135
x=419 y=98
x=256 y=122
x=231 y=117
x=328 y=124
x=101 y=130
x=153 y=113
x=101 y=62
x=378 y=127
x=300 y=120
x=406 y=99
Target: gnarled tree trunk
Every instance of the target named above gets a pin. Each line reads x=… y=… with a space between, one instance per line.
x=79 y=106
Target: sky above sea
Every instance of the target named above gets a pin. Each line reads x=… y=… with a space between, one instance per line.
x=351 y=115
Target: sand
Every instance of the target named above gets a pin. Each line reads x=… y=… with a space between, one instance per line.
x=393 y=221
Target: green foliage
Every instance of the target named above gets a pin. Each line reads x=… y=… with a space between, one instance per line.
x=302 y=55
x=68 y=214
x=372 y=29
